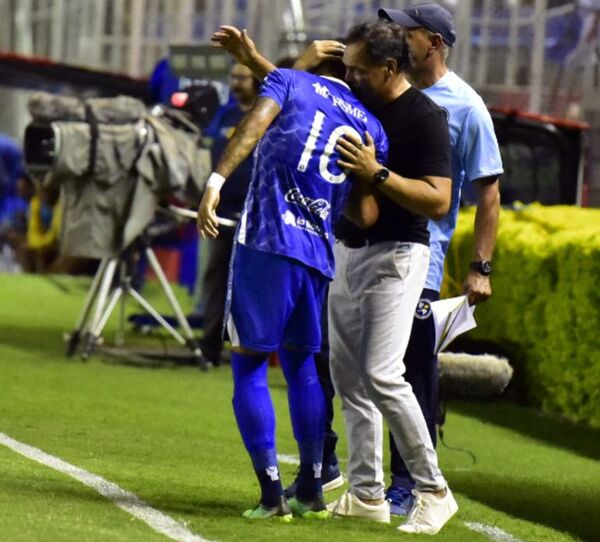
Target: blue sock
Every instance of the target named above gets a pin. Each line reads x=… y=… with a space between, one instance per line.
x=256 y=421
x=307 y=410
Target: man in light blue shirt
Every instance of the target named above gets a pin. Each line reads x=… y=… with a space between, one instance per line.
x=475 y=159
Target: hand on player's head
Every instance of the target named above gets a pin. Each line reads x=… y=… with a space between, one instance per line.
x=236 y=42
x=319 y=51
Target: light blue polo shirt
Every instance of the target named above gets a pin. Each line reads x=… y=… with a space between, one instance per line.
x=475 y=155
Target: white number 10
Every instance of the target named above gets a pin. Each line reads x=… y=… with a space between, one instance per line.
x=311 y=142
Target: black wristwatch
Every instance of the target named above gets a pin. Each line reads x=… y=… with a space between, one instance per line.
x=381 y=176
x=483 y=267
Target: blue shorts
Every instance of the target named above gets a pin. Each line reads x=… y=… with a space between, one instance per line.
x=274 y=301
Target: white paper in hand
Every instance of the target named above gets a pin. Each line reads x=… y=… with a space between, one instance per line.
x=451 y=317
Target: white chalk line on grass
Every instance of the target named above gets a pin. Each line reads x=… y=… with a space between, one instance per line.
x=288 y=459
x=495 y=533
x=125 y=500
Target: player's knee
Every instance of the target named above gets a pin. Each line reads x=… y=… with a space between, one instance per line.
x=248 y=351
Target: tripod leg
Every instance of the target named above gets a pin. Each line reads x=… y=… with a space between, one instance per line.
x=185 y=326
x=114 y=298
x=156 y=315
x=105 y=286
x=75 y=336
x=120 y=336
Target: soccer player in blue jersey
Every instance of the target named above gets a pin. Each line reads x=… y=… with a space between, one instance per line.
x=283 y=261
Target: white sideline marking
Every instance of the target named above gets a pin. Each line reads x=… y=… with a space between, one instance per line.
x=494 y=533
x=125 y=500
x=288 y=459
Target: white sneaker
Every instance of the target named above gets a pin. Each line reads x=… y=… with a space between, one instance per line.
x=350 y=506
x=429 y=513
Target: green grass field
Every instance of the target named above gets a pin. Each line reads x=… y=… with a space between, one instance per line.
x=168 y=435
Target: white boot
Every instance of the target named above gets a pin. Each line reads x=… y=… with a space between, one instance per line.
x=429 y=513
x=350 y=506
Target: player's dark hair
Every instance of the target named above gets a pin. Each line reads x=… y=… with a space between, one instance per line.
x=384 y=40
x=287 y=61
x=333 y=68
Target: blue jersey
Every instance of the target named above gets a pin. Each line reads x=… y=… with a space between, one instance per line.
x=298 y=192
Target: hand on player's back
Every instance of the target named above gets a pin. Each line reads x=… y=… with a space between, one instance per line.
x=358 y=158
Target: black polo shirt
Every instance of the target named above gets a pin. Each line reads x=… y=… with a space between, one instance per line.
x=419 y=146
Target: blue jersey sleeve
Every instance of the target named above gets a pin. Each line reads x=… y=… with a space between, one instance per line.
x=479 y=149
x=277 y=86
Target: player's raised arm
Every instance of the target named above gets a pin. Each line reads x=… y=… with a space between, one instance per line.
x=243 y=49
x=244 y=139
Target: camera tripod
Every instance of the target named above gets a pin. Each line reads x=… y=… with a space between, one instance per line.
x=105 y=292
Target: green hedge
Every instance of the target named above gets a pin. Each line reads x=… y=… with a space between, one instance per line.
x=545 y=307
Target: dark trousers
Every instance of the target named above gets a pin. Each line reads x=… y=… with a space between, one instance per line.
x=322 y=362
x=421 y=373
x=214 y=292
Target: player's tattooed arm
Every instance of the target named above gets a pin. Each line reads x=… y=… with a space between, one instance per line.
x=244 y=139
x=362 y=207
x=246 y=136
x=243 y=49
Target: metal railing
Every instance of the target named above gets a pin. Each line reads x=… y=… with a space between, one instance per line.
x=502 y=47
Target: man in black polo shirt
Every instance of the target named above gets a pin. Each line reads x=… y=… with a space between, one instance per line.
x=380 y=275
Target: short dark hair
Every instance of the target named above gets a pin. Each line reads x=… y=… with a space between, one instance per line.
x=332 y=67
x=384 y=40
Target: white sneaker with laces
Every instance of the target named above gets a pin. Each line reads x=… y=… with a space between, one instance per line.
x=429 y=513
x=350 y=506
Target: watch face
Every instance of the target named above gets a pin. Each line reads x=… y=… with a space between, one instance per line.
x=381 y=175
x=482 y=267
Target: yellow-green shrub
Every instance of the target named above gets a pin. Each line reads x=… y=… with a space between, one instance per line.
x=545 y=307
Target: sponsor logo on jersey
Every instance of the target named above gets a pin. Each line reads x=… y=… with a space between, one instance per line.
x=289 y=219
x=319 y=207
x=349 y=109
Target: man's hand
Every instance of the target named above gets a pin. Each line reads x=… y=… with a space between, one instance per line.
x=236 y=42
x=319 y=51
x=477 y=287
x=208 y=224
x=358 y=158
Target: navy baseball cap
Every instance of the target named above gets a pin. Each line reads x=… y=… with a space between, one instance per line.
x=434 y=18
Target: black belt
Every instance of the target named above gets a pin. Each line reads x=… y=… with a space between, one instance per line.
x=354 y=243
x=360 y=242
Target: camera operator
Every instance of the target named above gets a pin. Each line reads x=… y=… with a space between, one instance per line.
x=244 y=89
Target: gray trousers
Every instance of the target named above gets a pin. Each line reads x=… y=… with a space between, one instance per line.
x=372 y=301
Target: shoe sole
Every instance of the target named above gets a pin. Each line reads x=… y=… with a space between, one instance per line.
x=288 y=518
x=320 y=515
x=334 y=484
